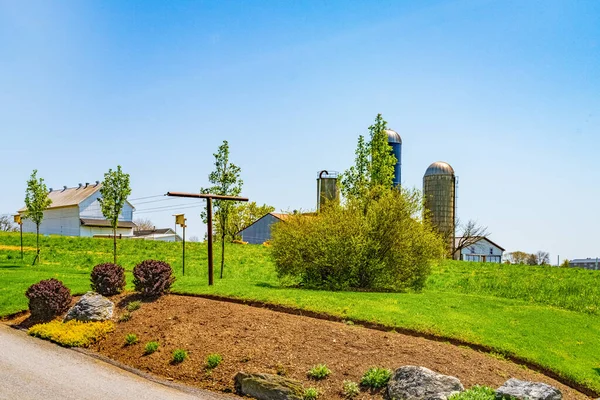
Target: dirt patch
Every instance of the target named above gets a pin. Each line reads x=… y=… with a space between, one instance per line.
x=254 y=339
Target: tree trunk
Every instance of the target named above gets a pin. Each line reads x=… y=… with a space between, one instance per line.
x=37 y=241
x=115 y=244
x=222 y=253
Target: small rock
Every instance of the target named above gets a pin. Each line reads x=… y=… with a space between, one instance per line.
x=419 y=383
x=525 y=390
x=91 y=307
x=268 y=387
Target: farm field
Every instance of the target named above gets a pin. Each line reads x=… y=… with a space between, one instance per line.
x=546 y=316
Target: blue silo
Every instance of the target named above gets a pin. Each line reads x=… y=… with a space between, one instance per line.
x=395 y=142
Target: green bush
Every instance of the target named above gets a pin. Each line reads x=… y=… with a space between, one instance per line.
x=319 y=372
x=133 y=305
x=350 y=389
x=475 y=393
x=131 y=338
x=376 y=377
x=382 y=245
x=179 y=356
x=311 y=394
x=213 y=361
x=151 y=347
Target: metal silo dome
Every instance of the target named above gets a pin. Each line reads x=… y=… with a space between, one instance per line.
x=393 y=136
x=439 y=168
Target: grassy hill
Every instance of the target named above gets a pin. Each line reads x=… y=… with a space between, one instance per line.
x=547 y=316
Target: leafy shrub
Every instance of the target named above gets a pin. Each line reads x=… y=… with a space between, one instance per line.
x=319 y=372
x=48 y=298
x=381 y=245
x=179 y=356
x=151 y=347
x=475 y=393
x=133 y=305
x=153 y=278
x=131 y=338
x=213 y=361
x=350 y=389
x=108 y=279
x=125 y=317
x=72 y=333
x=376 y=377
x=311 y=394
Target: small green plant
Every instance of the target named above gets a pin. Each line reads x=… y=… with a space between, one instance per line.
x=213 y=361
x=311 y=394
x=475 y=393
x=350 y=389
x=281 y=371
x=131 y=338
x=319 y=372
x=179 y=356
x=376 y=377
x=126 y=316
x=133 y=305
x=150 y=347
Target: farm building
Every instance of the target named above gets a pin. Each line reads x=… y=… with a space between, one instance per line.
x=483 y=250
x=76 y=212
x=587 y=263
x=260 y=230
x=161 y=235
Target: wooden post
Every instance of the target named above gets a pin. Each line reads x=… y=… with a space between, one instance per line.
x=21 y=225
x=183 y=257
x=210 y=241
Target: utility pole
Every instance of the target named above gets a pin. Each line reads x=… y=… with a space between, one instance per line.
x=209 y=198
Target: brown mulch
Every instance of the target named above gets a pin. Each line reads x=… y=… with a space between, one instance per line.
x=255 y=339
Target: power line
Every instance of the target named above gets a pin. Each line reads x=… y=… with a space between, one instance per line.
x=169 y=209
x=148 y=197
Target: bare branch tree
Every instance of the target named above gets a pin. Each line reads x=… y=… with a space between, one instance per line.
x=143 y=224
x=542 y=257
x=6 y=224
x=470 y=233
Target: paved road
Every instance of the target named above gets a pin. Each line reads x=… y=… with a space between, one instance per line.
x=31 y=368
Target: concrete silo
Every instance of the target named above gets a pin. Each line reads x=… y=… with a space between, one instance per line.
x=439 y=192
x=327 y=189
x=395 y=143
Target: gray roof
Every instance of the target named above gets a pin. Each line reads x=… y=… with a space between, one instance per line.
x=439 y=168
x=106 y=223
x=150 y=232
x=585 y=260
x=393 y=136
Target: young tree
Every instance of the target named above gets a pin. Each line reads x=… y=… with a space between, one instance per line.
x=36 y=201
x=226 y=181
x=542 y=257
x=114 y=191
x=373 y=171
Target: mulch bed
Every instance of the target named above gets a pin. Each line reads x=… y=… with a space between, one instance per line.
x=255 y=339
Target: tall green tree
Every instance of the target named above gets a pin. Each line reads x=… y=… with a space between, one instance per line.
x=373 y=169
x=114 y=191
x=36 y=201
x=226 y=181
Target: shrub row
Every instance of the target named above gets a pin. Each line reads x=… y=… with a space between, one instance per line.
x=50 y=298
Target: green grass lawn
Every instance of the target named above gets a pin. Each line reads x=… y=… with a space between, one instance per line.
x=545 y=315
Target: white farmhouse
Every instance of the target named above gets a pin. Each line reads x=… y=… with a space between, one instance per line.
x=483 y=250
x=76 y=212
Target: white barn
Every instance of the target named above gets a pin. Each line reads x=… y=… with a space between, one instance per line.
x=161 y=235
x=76 y=212
x=483 y=250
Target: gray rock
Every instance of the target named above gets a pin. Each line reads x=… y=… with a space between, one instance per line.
x=419 y=383
x=91 y=307
x=525 y=390
x=268 y=387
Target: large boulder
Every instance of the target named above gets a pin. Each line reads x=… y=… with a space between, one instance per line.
x=91 y=307
x=419 y=383
x=525 y=390
x=268 y=387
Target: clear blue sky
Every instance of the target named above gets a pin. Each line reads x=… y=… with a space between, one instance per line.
x=507 y=92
